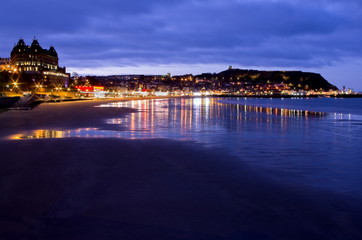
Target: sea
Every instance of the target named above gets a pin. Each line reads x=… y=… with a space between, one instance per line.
x=312 y=142
x=309 y=142
x=308 y=146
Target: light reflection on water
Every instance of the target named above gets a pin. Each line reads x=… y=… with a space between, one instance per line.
x=77 y=133
x=196 y=119
x=313 y=147
x=178 y=119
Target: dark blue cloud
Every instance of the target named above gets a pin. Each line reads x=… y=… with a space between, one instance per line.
x=240 y=32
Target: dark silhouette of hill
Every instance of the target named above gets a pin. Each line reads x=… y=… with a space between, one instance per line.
x=295 y=79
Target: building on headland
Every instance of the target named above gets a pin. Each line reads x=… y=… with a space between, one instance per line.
x=33 y=67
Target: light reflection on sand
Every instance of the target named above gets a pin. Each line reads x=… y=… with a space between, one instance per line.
x=77 y=133
x=178 y=119
x=41 y=134
x=44 y=133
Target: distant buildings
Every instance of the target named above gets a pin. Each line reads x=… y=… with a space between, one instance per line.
x=232 y=81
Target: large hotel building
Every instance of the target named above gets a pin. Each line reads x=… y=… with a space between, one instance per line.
x=32 y=66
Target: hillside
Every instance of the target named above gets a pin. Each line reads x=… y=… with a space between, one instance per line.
x=295 y=79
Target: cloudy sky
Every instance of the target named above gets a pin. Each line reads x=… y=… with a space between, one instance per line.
x=193 y=36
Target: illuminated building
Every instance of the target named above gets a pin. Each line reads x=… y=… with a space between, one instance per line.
x=36 y=65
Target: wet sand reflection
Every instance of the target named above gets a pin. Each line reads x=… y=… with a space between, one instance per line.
x=180 y=119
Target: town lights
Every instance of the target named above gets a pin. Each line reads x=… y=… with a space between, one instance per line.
x=161 y=94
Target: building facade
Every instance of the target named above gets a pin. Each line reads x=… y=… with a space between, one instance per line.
x=37 y=66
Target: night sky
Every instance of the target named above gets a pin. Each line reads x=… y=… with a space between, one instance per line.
x=106 y=37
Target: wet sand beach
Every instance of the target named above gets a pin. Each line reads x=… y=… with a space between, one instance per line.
x=78 y=188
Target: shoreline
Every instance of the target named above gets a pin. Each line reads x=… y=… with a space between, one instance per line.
x=6 y=102
x=294 y=96
x=63 y=115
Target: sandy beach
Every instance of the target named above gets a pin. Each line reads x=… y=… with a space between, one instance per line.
x=80 y=188
x=62 y=115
